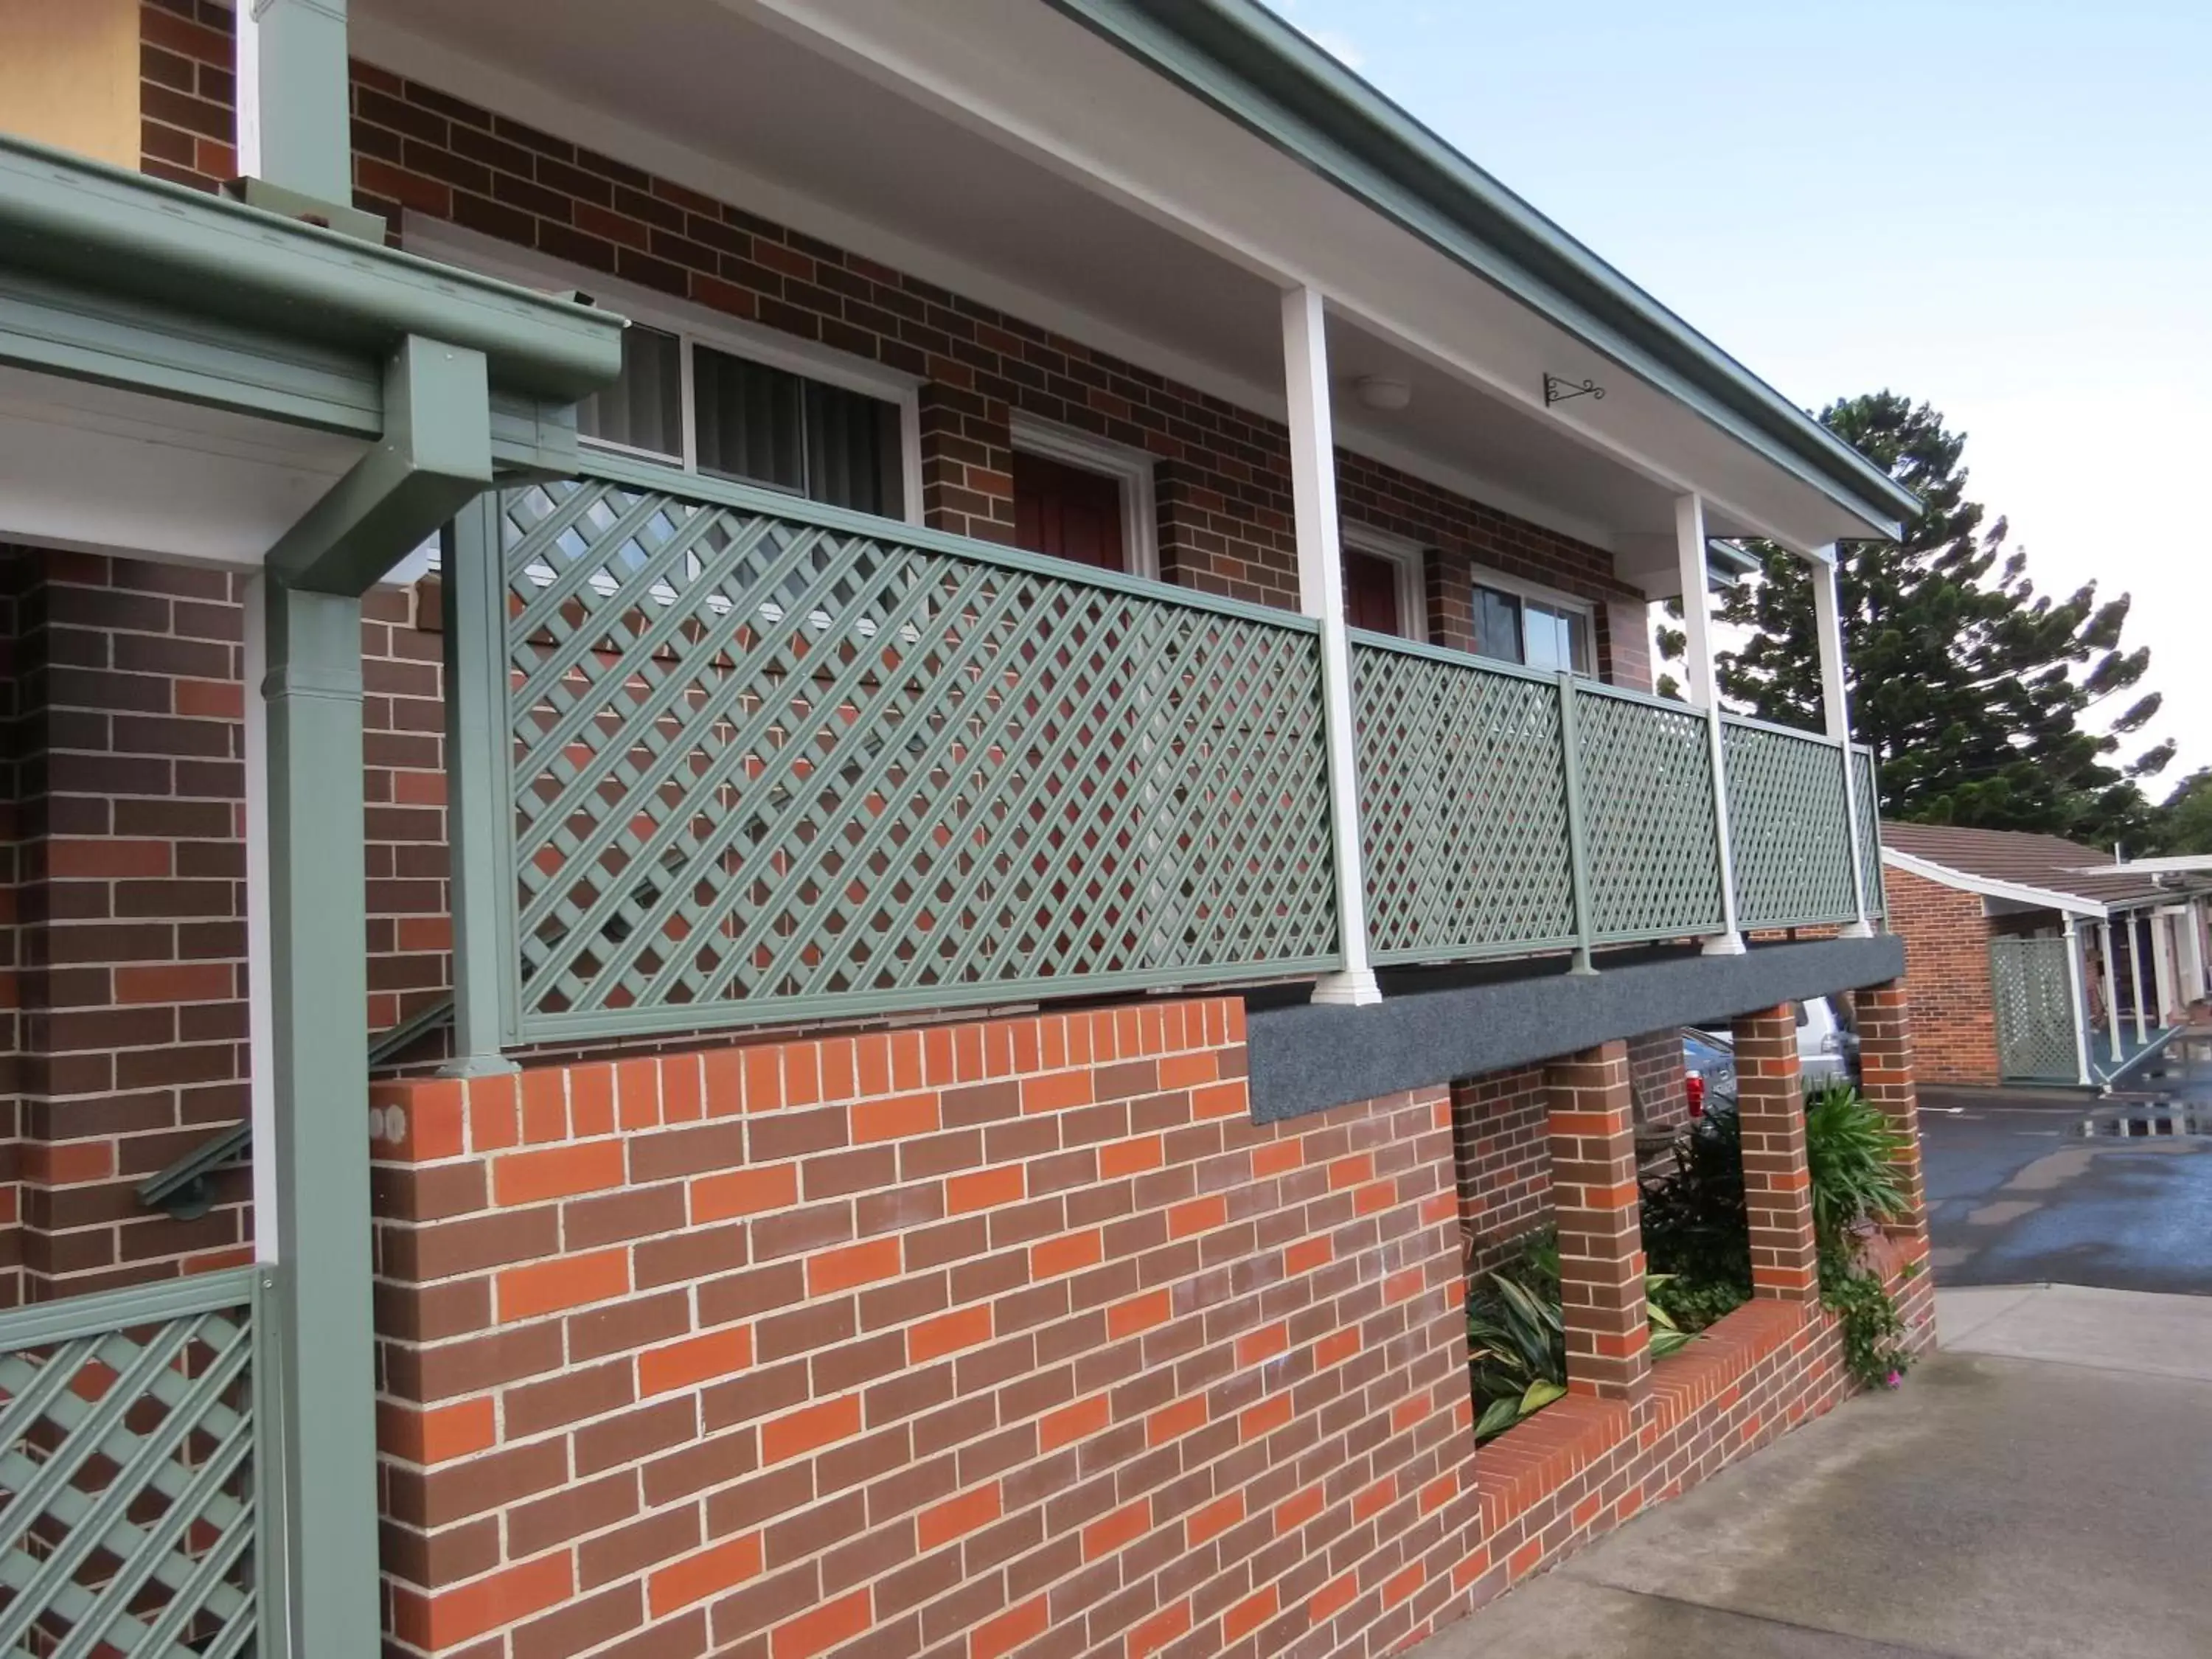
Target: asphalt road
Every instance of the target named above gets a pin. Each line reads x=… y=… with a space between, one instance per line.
x=2019 y=1195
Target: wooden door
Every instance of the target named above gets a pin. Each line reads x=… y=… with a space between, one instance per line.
x=1371 y=592
x=1068 y=513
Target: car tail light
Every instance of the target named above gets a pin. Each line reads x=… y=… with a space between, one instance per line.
x=1694 y=1090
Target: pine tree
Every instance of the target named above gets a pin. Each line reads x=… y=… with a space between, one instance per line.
x=1972 y=687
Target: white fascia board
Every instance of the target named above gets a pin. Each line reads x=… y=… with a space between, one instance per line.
x=1943 y=875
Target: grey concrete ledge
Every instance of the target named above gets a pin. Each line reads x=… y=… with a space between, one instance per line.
x=1432 y=1026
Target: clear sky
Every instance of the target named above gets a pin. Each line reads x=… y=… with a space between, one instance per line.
x=2002 y=207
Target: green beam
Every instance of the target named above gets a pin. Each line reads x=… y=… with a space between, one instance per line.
x=434 y=456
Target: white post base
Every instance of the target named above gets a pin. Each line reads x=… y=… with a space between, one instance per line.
x=1726 y=945
x=1349 y=990
x=1856 y=930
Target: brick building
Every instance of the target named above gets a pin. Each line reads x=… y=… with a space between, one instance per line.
x=969 y=792
x=2035 y=959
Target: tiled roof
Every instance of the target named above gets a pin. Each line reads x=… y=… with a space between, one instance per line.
x=2051 y=862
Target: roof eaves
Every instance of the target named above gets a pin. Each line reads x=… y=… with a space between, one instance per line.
x=1261 y=72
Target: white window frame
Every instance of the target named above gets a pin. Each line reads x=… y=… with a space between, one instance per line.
x=1129 y=467
x=1582 y=610
x=1411 y=559
x=693 y=326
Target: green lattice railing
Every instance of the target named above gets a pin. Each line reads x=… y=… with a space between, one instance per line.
x=772 y=762
x=1463 y=806
x=1789 y=826
x=128 y=1504
x=1653 y=834
x=1869 y=787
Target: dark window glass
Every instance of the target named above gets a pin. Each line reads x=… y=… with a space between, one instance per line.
x=852 y=451
x=765 y=425
x=1497 y=625
x=749 y=420
x=644 y=408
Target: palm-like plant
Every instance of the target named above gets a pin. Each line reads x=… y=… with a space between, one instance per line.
x=1516 y=1337
x=1852 y=1153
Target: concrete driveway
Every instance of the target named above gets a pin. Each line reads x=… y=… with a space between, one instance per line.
x=2035 y=1490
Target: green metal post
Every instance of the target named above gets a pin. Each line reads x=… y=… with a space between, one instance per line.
x=477 y=768
x=324 y=1351
x=1571 y=760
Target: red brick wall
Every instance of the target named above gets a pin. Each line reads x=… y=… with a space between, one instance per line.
x=128 y=847
x=1947 y=965
x=1501 y=1124
x=1656 y=1075
x=1224 y=473
x=978 y=1332
x=1016 y=1336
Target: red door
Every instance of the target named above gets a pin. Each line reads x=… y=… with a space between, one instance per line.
x=1068 y=512
x=1371 y=592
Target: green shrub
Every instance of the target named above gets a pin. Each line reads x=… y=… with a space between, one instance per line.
x=1851 y=1149
x=1697 y=1237
x=1517 y=1336
x=1852 y=1152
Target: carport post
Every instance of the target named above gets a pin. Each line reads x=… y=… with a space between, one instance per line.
x=2112 y=986
x=2078 y=996
x=2135 y=978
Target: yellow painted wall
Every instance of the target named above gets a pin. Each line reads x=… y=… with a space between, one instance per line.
x=68 y=75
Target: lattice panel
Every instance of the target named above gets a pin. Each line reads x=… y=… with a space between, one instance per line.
x=1653 y=836
x=766 y=768
x=2034 y=995
x=1868 y=789
x=1462 y=803
x=127 y=1478
x=1789 y=828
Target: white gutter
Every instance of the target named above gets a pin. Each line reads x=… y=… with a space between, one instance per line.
x=1943 y=875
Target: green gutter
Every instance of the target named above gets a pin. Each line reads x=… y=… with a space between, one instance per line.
x=84 y=225
x=1262 y=72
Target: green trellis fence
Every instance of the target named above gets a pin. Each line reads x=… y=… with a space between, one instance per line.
x=763 y=761
x=132 y=1518
x=768 y=761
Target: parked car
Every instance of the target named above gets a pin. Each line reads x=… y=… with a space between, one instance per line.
x=1827 y=1051
x=1827 y=1040
x=1709 y=1069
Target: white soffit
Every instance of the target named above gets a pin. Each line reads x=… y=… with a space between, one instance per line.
x=952 y=178
x=92 y=468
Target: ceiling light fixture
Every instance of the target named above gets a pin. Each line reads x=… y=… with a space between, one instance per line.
x=1382 y=391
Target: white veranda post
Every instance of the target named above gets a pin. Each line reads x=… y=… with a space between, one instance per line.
x=1836 y=707
x=1321 y=595
x=1703 y=693
x=2161 y=961
x=2106 y=950
x=2078 y=1000
x=2136 y=976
